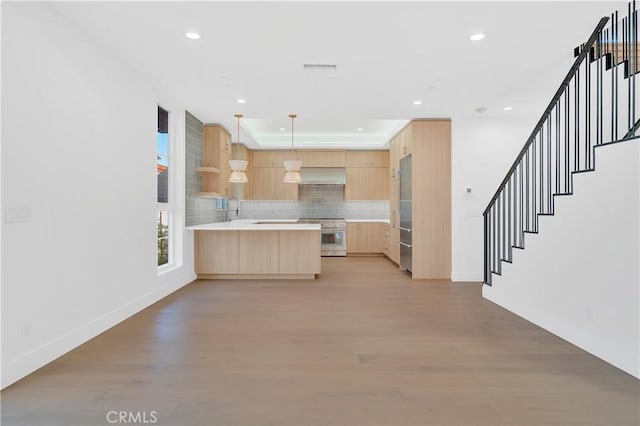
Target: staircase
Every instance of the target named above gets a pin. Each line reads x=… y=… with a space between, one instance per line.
x=596 y=105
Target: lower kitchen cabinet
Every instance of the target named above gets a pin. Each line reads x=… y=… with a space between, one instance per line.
x=216 y=252
x=365 y=238
x=386 y=239
x=294 y=249
x=257 y=253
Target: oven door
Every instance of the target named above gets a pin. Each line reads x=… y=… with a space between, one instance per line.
x=333 y=242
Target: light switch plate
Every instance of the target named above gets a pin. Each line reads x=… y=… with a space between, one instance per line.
x=17 y=214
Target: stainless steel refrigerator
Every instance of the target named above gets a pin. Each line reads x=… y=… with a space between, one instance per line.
x=405 y=213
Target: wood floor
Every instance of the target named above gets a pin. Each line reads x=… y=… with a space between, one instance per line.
x=361 y=346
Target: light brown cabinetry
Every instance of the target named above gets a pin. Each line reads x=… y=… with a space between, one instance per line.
x=267 y=174
x=367 y=175
x=390 y=244
x=272 y=158
x=324 y=158
x=268 y=184
x=394 y=250
x=431 y=200
x=216 y=252
x=294 y=249
x=216 y=150
x=406 y=140
x=429 y=143
x=367 y=183
x=365 y=238
x=257 y=253
x=367 y=159
x=386 y=239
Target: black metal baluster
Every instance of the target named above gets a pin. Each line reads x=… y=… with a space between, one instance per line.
x=508 y=246
x=486 y=249
x=526 y=156
x=567 y=95
x=627 y=39
x=541 y=193
x=599 y=90
x=557 y=148
x=521 y=233
x=615 y=77
x=494 y=231
x=587 y=110
x=534 y=192
x=634 y=54
x=549 y=195
x=502 y=225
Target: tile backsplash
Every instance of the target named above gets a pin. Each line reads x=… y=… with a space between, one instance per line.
x=300 y=209
x=316 y=193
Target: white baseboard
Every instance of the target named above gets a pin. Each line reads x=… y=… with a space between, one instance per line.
x=584 y=339
x=467 y=276
x=26 y=364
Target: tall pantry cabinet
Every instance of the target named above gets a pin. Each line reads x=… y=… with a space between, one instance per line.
x=429 y=144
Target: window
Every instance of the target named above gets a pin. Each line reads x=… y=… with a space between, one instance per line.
x=164 y=208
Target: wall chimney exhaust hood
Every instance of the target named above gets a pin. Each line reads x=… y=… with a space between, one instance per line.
x=323 y=175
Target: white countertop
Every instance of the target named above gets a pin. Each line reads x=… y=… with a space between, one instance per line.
x=256 y=225
x=369 y=220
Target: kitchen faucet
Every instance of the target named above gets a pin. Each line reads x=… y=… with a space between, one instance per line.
x=226 y=215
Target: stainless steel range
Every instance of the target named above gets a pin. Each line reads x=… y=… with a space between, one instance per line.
x=333 y=235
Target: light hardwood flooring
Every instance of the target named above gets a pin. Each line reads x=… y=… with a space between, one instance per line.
x=363 y=345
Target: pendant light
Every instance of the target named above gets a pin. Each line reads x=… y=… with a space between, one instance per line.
x=238 y=166
x=292 y=167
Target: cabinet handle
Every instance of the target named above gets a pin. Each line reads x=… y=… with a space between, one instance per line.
x=404 y=244
x=404 y=229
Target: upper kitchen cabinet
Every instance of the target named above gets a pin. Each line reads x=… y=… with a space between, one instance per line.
x=367 y=183
x=406 y=140
x=268 y=184
x=324 y=158
x=216 y=151
x=272 y=158
x=367 y=159
x=367 y=175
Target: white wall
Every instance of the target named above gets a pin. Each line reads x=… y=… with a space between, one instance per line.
x=78 y=156
x=482 y=150
x=580 y=277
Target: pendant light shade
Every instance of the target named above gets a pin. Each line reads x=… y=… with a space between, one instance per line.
x=238 y=166
x=292 y=167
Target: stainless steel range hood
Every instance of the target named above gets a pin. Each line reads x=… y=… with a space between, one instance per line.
x=323 y=175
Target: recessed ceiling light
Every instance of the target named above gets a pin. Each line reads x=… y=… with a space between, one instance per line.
x=192 y=36
x=281 y=129
x=241 y=101
x=507 y=108
x=481 y=110
x=360 y=129
x=417 y=102
x=476 y=37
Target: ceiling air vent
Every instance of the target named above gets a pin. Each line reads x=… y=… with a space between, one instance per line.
x=320 y=67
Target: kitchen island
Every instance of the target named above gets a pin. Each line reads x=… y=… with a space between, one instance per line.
x=253 y=249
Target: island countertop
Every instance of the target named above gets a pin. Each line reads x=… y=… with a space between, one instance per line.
x=256 y=225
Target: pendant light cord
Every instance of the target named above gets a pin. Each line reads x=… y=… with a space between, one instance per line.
x=238 y=136
x=292 y=116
